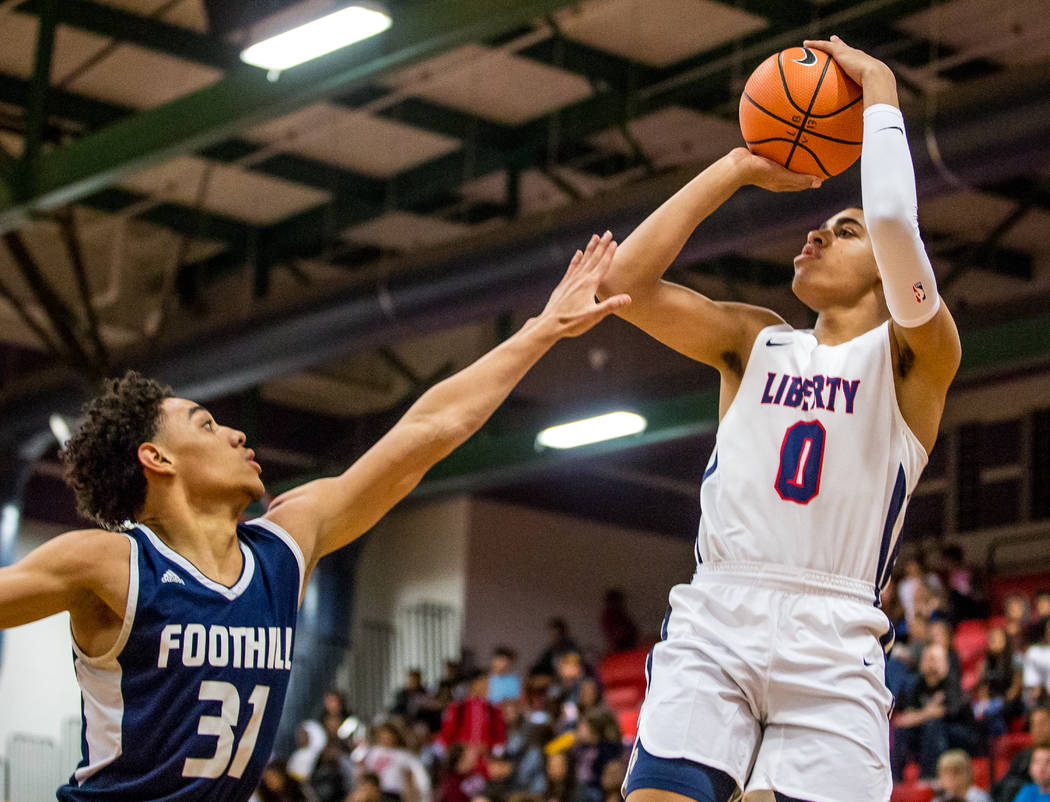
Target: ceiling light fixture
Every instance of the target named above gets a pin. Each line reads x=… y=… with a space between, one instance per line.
x=316 y=38
x=591 y=430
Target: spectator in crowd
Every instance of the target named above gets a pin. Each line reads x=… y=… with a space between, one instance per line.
x=621 y=633
x=997 y=697
x=1017 y=775
x=962 y=585
x=530 y=774
x=1039 y=789
x=612 y=779
x=1040 y=615
x=590 y=697
x=517 y=727
x=901 y=669
x=401 y=774
x=500 y=784
x=561 y=778
x=566 y=689
x=310 y=739
x=597 y=742
x=1037 y=667
x=475 y=720
x=332 y=777
x=955 y=776
x=1015 y=610
x=558 y=643
x=940 y=631
x=461 y=780
x=276 y=785
x=934 y=716
x=504 y=683
x=894 y=610
x=366 y=789
x=411 y=698
x=916 y=584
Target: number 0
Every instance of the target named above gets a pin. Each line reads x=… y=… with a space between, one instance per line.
x=801 y=461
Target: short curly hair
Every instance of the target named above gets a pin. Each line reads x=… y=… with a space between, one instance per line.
x=101 y=459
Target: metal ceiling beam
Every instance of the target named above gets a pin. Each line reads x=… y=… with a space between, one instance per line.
x=245 y=97
x=62 y=104
x=148 y=32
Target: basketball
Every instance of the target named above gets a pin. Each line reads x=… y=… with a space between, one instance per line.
x=801 y=110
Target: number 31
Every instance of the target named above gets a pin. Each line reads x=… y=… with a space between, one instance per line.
x=222 y=726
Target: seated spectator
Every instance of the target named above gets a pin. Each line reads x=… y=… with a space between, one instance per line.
x=500 y=784
x=310 y=739
x=940 y=631
x=590 y=698
x=597 y=742
x=1037 y=668
x=613 y=775
x=621 y=633
x=998 y=697
x=401 y=774
x=475 y=720
x=530 y=774
x=1017 y=775
x=461 y=781
x=902 y=670
x=1015 y=610
x=955 y=775
x=332 y=777
x=566 y=688
x=559 y=642
x=916 y=586
x=276 y=785
x=367 y=790
x=1039 y=616
x=561 y=778
x=934 y=716
x=962 y=585
x=411 y=698
x=891 y=605
x=1039 y=789
x=504 y=683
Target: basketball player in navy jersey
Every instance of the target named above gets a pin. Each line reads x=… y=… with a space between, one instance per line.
x=769 y=677
x=183 y=623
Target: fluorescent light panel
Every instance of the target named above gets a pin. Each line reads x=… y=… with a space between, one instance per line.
x=316 y=38
x=591 y=430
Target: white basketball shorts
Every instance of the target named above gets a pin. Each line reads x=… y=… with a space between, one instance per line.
x=776 y=677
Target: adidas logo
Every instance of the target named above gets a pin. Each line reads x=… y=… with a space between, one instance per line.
x=171 y=576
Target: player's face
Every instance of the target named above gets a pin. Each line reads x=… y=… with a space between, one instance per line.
x=210 y=460
x=836 y=266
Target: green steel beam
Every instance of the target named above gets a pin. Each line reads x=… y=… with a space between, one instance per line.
x=62 y=104
x=36 y=108
x=154 y=34
x=246 y=97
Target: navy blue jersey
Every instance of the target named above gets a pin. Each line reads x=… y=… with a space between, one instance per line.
x=187 y=702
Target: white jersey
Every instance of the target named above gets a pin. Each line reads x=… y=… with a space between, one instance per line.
x=813 y=462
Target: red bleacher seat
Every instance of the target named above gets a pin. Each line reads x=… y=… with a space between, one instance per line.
x=1026 y=584
x=628 y=720
x=1004 y=748
x=912 y=792
x=624 y=697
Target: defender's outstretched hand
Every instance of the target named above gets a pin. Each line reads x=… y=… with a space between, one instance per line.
x=572 y=306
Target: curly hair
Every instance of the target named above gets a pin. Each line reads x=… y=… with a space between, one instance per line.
x=101 y=459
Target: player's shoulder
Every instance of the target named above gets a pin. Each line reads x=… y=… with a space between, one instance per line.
x=753 y=319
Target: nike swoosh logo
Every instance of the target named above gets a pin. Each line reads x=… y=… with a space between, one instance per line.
x=809 y=60
x=867 y=662
x=771 y=343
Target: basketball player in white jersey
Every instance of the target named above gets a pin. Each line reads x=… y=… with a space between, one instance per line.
x=769 y=676
x=183 y=623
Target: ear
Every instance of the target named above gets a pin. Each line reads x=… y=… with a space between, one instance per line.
x=153 y=458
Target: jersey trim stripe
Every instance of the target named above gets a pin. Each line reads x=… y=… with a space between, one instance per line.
x=100 y=678
x=232 y=592
x=896 y=504
x=109 y=659
x=289 y=541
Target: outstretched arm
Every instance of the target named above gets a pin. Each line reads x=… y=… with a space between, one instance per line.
x=702 y=329
x=74 y=571
x=326 y=514
x=924 y=332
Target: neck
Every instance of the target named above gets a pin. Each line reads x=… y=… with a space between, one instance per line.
x=206 y=535
x=841 y=324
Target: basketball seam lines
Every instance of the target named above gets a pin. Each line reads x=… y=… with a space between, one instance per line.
x=805 y=116
x=778 y=118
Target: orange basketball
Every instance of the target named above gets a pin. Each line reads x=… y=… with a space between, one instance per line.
x=801 y=110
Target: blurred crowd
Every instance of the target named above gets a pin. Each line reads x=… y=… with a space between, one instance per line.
x=490 y=733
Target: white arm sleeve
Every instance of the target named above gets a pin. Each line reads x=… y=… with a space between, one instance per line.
x=891 y=215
